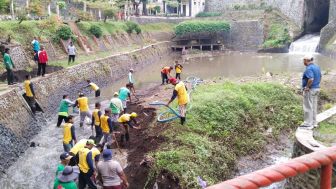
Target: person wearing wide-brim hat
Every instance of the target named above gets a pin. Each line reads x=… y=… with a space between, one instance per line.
x=110 y=172
x=66 y=179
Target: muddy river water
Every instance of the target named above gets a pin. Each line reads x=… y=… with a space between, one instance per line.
x=36 y=167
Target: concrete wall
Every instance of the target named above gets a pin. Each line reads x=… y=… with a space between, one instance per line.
x=294 y=9
x=149 y=20
x=244 y=36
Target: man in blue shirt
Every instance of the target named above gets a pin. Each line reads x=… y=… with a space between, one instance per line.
x=311 y=80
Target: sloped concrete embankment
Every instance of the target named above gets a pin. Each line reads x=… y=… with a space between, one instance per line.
x=18 y=126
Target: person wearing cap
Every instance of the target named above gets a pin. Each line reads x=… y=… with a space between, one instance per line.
x=165 y=72
x=110 y=172
x=86 y=166
x=82 y=103
x=116 y=107
x=75 y=149
x=124 y=94
x=69 y=134
x=178 y=70
x=107 y=127
x=63 y=111
x=180 y=91
x=9 y=65
x=96 y=114
x=36 y=48
x=65 y=159
x=128 y=120
x=311 y=80
x=30 y=94
x=66 y=179
x=94 y=87
x=131 y=81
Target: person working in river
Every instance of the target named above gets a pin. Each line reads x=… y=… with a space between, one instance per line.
x=86 y=166
x=83 y=104
x=74 y=151
x=128 y=120
x=63 y=111
x=106 y=125
x=96 y=114
x=124 y=94
x=116 y=107
x=180 y=91
x=311 y=80
x=9 y=65
x=94 y=87
x=178 y=70
x=65 y=158
x=30 y=94
x=69 y=134
x=165 y=73
x=67 y=178
x=131 y=81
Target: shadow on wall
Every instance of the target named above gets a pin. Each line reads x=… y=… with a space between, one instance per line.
x=316 y=15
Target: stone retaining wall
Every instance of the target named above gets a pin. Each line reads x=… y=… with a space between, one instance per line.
x=151 y=20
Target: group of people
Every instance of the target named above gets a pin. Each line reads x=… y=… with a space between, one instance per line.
x=87 y=153
x=40 y=58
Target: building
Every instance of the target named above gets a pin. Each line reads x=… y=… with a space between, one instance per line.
x=189 y=8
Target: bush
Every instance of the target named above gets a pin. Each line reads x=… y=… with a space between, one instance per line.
x=109 y=13
x=208 y=14
x=132 y=26
x=278 y=36
x=64 y=32
x=96 y=31
x=157 y=9
x=188 y=27
x=232 y=123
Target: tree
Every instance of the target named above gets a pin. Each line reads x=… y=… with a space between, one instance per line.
x=109 y=13
x=4 y=6
x=144 y=7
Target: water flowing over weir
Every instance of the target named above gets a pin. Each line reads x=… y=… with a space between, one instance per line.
x=36 y=168
x=306 y=44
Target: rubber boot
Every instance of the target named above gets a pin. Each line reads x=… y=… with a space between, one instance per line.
x=183 y=120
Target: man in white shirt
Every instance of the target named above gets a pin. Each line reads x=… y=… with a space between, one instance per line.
x=72 y=53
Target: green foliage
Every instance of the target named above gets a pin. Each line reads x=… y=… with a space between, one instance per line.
x=107 y=28
x=109 y=13
x=226 y=121
x=132 y=26
x=61 y=4
x=198 y=26
x=208 y=14
x=64 y=32
x=96 y=31
x=157 y=9
x=163 y=26
x=277 y=37
x=4 y=6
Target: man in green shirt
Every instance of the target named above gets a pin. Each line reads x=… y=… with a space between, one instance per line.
x=65 y=159
x=66 y=179
x=9 y=65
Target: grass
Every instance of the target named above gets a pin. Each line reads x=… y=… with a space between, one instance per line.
x=157 y=27
x=108 y=28
x=278 y=36
x=227 y=120
x=326 y=132
x=91 y=57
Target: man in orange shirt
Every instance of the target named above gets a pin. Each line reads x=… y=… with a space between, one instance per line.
x=164 y=74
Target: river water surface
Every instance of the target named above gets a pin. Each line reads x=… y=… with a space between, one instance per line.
x=36 y=167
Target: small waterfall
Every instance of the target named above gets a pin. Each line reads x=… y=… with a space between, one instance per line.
x=306 y=44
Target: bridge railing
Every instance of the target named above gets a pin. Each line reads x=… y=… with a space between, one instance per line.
x=323 y=159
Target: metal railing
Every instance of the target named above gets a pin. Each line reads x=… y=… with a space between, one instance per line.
x=323 y=159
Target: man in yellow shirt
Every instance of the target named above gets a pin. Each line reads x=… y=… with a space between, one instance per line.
x=83 y=104
x=106 y=125
x=30 y=94
x=94 y=87
x=178 y=70
x=96 y=114
x=69 y=135
x=86 y=166
x=127 y=120
x=180 y=91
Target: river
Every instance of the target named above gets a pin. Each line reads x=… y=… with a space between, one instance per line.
x=36 y=167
